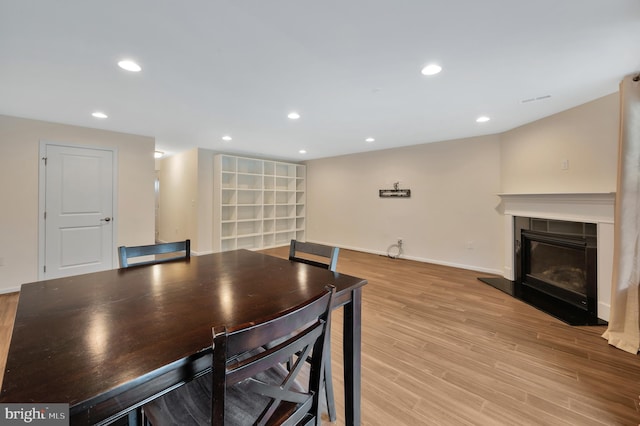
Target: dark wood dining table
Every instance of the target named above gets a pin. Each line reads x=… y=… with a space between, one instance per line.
x=108 y=342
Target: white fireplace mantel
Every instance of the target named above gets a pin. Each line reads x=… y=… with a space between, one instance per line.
x=595 y=208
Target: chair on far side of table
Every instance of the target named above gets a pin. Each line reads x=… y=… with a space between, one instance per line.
x=173 y=251
x=321 y=255
x=326 y=257
x=247 y=383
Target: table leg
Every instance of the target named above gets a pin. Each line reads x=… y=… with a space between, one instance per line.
x=352 y=347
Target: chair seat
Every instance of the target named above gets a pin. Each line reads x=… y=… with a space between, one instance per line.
x=191 y=403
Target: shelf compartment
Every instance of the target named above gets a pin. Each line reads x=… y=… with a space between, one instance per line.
x=228 y=229
x=228 y=164
x=269 y=197
x=249 y=196
x=284 y=225
x=228 y=244
x=285 y=184
x=249 y=212
x=228 y=180
x=282 y=238
x=253 y=227
x=269 y=182
x=228 y=196
x=268 y=212
x=249 y=166
x=284 y=169
x=285 y=197
x=245 y=181
x=228 y=213
x=285 y=211
x=249 y=242
x=268 y=226
x=269 y=168
x=268 y=240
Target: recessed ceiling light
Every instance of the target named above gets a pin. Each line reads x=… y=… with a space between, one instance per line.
x=303 y=151
x=482 y=119
x=129 y=65
x=158 y=154
x=431 y=69
x=226 y=138
x=369 y=140
x=99 y=114
x=293 y=115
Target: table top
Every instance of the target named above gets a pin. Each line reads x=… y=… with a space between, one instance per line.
x=87 y=338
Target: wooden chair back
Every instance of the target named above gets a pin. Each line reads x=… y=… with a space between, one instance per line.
x=321 y=255
x=179 y=249
x=239 y=354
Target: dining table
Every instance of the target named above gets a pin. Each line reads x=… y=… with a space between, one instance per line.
x=108 y=342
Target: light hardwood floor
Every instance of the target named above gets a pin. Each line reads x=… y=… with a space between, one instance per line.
x=442 y=348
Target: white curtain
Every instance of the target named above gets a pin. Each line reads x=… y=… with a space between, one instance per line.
x=624 y=324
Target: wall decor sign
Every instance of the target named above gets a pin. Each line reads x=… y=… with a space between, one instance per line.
x=395 y=192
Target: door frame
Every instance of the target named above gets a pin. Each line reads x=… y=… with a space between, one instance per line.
x=42 y=187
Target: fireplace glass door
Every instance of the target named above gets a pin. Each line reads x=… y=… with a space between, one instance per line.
x=556 y=265
x=561 y=266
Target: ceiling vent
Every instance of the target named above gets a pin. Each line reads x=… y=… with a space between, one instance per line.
x=539 y=98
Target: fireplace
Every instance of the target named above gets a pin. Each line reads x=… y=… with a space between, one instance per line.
x=588 y=217
x=556 y=267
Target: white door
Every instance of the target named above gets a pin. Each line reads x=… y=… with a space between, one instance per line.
x=78 y=210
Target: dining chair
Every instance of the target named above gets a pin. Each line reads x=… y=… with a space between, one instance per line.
x=321 y=255
x=325 y=257
x=178 y=250
x=248 y=384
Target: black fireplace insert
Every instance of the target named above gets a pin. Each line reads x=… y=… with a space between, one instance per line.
x=556 y=268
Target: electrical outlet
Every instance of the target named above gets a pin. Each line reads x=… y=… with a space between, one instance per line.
x=564 y=165
x=399 y=241
x=470 y=245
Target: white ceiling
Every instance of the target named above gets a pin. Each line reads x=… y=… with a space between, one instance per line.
x=351 y=68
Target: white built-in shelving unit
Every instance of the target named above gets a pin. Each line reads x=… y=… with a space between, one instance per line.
x=257 y=203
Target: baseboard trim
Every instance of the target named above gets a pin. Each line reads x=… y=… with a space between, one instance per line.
x=420 y=259
x=9 y=290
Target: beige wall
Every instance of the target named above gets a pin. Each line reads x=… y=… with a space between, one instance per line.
x=19 y=146
x=178 y=185
x=586 y=136
x=451 y=217
x=205 y=201
x=186 y=199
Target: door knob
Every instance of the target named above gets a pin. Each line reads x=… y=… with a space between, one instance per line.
x=106 y=219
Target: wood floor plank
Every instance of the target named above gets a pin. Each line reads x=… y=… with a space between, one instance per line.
x=8 y=306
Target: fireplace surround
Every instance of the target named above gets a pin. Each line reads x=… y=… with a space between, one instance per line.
x=595 y=209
